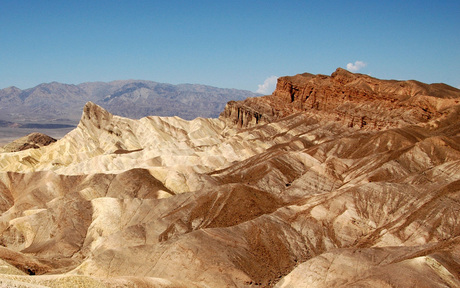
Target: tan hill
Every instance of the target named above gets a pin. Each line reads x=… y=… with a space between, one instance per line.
x=283 y=190
x=31 y=141
x=55 y=108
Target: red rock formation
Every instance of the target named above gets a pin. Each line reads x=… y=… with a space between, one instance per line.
x=355 y=100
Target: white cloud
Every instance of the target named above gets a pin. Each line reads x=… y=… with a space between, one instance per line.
x=269 y=85
x=358 y=65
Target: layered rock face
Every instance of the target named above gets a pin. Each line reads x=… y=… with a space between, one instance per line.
x=356 y=100
x=281 y=191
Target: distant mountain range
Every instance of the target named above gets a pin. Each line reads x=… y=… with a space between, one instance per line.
x=58 y=104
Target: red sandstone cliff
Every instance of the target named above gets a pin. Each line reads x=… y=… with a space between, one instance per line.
x=355 y=100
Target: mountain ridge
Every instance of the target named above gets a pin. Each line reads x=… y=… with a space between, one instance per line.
x=357 y=100
x=276 y=192
x=58 y=100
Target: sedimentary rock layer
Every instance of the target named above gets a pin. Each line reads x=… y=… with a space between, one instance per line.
x=355 y=100
x=296 y=196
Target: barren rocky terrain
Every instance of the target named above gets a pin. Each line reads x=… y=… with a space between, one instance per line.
x=332 y=181
x=55 y=108
x=61 y=104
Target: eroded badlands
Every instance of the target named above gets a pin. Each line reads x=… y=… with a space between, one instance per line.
x=332 y=181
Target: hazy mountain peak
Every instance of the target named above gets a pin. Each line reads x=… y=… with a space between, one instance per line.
x=128 y=98
x=12 y=89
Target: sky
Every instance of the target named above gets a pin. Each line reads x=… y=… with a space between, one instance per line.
x=227 y=44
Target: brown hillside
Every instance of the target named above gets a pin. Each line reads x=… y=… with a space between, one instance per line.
x=333 y=181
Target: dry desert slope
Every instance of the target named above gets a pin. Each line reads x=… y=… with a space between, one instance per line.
x=332 y=181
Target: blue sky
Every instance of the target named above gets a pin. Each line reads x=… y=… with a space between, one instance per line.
x=228 y=44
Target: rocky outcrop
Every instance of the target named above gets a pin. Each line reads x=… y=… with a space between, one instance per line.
x=354 y=100
x=31 y=141
x=243 y=115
